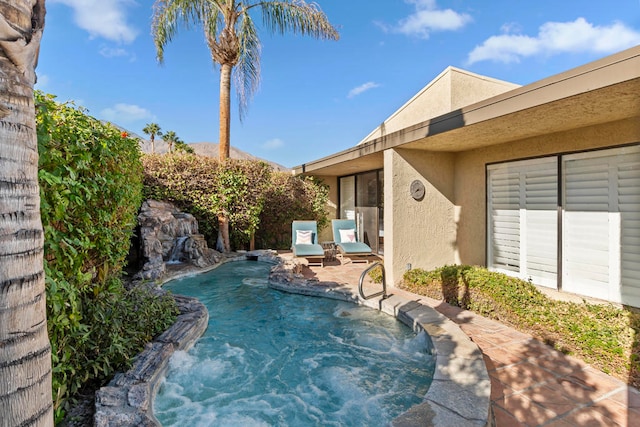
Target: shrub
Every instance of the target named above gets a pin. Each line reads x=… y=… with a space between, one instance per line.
x=376 y=274
x=257 y=200
x=241 y=190
x=91 y=187
x=188 y=182
x=206 y=189
x=603 y=335
x=134 y=317
x=290 y=198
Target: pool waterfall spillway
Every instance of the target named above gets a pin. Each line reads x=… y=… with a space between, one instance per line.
x=168 y=235
x=177 y=253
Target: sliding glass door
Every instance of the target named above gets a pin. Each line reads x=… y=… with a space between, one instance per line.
x=361 y=199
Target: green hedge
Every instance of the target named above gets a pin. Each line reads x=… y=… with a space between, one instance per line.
x=257 y=200
x=91 y=189
x=290 y=198
x=604 y=336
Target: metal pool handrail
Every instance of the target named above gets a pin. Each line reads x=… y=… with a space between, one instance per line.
x=384 y=282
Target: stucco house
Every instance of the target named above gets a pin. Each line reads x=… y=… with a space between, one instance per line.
x=540 y=181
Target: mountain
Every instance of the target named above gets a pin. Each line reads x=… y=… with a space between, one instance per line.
x=209 y=149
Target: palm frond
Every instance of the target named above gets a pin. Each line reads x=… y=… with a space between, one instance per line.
x=297 y=16
x=247 y=72
x=214 y=22
x=170 y=15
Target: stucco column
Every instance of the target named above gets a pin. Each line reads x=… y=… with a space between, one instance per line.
x=392 y=276
x=419 y=233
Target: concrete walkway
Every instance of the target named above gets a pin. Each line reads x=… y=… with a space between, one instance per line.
x=531 y=383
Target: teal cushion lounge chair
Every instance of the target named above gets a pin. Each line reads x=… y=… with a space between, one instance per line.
x=304 y=242
x=345 y=237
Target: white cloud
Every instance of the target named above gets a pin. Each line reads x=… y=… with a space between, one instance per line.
x=126 y=113
x=362 y=88
x=511 y=27
x=111 y=52
x=556 y=38
x=273 y=144
x=428 y=18
x=103 y=18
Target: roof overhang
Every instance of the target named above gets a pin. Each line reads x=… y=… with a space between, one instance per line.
x=603 y=91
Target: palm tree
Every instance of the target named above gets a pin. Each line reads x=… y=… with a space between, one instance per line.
x=234 y=44
x=182 y=147
x=152 y=129
x=25 y=353
x=170 y=138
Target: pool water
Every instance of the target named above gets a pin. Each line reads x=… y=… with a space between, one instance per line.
x=270 y=358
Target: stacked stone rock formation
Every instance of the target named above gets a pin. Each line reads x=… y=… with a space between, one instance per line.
x=162 y=226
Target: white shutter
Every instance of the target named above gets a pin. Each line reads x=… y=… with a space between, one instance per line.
x=629 y=206
x=522 y=219
x=504 y=218
x=586 y=227
x=601 y=224
x=541 y=202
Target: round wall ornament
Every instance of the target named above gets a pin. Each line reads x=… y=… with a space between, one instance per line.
x=417 y=189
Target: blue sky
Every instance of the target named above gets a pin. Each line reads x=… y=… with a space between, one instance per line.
x=316 y=97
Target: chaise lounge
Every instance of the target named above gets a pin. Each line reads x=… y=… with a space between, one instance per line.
x=346 y=240
x=304 y=242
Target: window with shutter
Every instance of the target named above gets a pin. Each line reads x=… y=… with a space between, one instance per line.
x=601 y=224
x=504 y=218
x=522 y=219
x=629 y=205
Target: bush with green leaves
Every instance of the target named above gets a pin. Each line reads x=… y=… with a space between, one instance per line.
x=257 y=200
x=186 y=181
x=240 y=195
x=603 y=335
x=90 y=178
x=290 y=198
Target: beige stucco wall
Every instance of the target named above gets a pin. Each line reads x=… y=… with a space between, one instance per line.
x=470 y=188
x=325 y=234
x=421 y=233
x=432 y=101
x=468 y=88
x=450 y=90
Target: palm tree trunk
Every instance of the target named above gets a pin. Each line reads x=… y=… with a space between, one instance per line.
x=224 y=144
x=225 y=114
x=25 y=353
x=223 y=245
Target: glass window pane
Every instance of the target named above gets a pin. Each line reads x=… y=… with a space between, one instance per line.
x=348 y=197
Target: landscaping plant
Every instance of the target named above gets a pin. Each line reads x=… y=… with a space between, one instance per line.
x=258 y=201
x=289 y=198
x=91 y=189
x=605 y=336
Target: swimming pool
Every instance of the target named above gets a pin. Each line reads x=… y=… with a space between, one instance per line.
x=272 y=358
